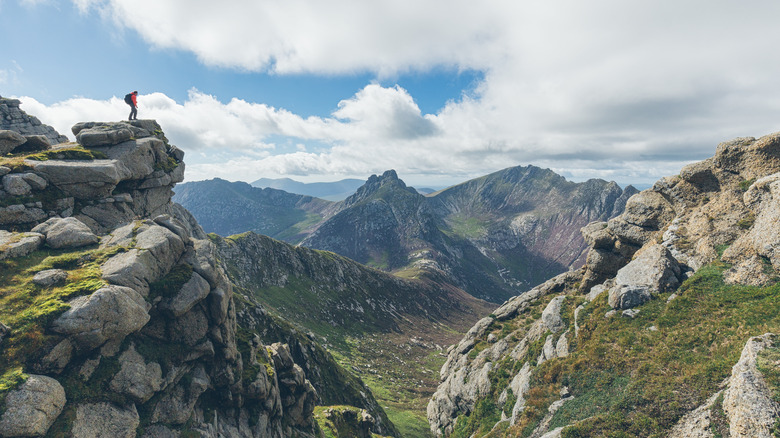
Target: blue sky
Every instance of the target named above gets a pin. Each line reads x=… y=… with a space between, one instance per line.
x=441 y=91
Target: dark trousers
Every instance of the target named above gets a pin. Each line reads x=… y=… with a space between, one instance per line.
x=133 y=112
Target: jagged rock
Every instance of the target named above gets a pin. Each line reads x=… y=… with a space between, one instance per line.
x=32 y=408
x=597 y=235
x=110 y=313
x=35 y=181
x=548 y=351
x=49 y=277
x=629 y=313
x=80 y=179
x=701 y=175
x=562 y=345
x=219 y=303
x=280 y=353
x=174 y=225
x=97 y=420
x=191 y=293
x=202 y=257
x=176 y=406
x=136 y=378
x=66 y=233
x=12 y=118
x=10 y=140
x=18 y=244
x=654 y=271
x=747 y=401
x=763 y=237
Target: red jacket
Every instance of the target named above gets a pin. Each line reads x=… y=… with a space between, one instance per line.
x=132 y=97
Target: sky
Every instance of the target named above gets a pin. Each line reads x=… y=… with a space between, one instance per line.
x=439 y=90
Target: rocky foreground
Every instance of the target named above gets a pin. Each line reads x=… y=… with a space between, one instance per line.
x=117 y=318
x=666 y=330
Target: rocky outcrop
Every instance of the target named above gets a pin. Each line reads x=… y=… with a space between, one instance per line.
x=466 y=373
x=12 y=118
x=149 y=339
x=133 y=180
x=723 y=209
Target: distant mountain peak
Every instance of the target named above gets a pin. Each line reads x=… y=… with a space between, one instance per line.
x=377 y=186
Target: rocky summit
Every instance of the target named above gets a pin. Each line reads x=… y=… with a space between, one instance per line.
x=117 y=317
x=669 y=329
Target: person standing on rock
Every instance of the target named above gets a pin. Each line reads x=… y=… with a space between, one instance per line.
x=130 y=99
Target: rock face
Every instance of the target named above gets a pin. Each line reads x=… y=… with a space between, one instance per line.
x=465 y=377
x=723 y=209
x=12 y=118
x=145 y=322
x=748 y=401
x=135 y=180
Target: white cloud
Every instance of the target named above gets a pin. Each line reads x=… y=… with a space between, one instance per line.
x=626 y=90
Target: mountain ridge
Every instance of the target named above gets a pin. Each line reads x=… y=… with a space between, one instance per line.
x=493 y=236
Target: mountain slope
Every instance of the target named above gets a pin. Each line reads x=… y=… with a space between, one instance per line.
x=117 y=315
x=384 y=328
x=493 y=236
x=670 y=328
x=229 y=208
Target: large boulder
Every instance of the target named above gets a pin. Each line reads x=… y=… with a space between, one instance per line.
x=653 y=271
x=66 y=233
x=110 y=313
x=108 y=134
x=10 y=140
x=94 y=179
x=31 y=409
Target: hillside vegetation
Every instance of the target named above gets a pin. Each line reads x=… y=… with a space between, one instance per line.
x=668 y=330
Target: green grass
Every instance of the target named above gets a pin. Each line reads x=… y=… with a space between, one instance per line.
x=28 y=308
x=468 y=227
x=630 y=381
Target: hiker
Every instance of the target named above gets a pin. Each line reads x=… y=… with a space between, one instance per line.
x=130 y=99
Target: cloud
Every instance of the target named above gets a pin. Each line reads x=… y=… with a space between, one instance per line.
x=625 y=90
x=310 y=36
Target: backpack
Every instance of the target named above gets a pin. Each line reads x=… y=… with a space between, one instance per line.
x=129 y=98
